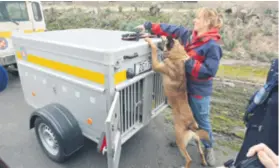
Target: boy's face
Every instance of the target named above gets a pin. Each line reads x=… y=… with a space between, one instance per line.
x=200 y=24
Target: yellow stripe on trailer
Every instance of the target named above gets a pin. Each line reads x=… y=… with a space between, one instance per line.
x=93 y=76
x=67 y=69
x=8 y=34
x=120 y=77
x=5 y=34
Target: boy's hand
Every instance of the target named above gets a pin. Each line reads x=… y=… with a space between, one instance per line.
x=141 y=28
x=267 y=157
x=150 y=43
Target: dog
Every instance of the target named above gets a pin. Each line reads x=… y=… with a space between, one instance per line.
x=172 y=70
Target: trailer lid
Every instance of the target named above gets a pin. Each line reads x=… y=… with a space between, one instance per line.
x=93 y=39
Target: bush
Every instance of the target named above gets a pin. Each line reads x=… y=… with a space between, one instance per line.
x=240 y=39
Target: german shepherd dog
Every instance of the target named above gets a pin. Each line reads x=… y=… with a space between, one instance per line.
x=172 y=70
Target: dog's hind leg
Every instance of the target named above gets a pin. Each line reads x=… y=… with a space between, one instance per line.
x=182 y=140
x=197 y=140
x=184 y=152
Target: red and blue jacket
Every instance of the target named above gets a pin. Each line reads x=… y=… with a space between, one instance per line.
x=205 y=53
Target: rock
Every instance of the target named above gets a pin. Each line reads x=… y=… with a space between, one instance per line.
x=230 y=84
x=244 y=11
x=232 y=10
x=120 y=8
x=154 y=9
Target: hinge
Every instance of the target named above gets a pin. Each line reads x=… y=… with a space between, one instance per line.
x=117 y=65
x=104 y=151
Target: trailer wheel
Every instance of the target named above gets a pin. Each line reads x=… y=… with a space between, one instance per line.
x=57 y=131
x=49 y=140
x=3 y=78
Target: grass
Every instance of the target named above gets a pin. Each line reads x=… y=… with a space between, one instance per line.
x=243 y=72
x=234 y=145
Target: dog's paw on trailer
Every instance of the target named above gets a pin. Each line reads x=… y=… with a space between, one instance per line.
x=87 y=83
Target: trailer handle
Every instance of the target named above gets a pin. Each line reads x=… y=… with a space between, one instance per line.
x=130 y=56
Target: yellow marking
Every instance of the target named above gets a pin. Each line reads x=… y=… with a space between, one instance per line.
x=119 y=77
x=40 y=30
x=68 y=69
x=5 y=34
x=8 y=34
x=18 y=54
x=28 y=31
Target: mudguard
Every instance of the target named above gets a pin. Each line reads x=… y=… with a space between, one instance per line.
x=3 y=78
x=64 y=123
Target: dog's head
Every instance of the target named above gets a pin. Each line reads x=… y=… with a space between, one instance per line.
x=173 y=48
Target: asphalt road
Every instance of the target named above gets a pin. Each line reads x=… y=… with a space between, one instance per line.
x=147 y=149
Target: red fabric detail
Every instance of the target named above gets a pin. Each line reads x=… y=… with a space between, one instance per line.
x=156 y=29
x=196 y=56
x=196 y=69
x=197 y=96
x=199 y=80
x=104 y=144
x=211 y=34
x=191 y=53
x=197 y=41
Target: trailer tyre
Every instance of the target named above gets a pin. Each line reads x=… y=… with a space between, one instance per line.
x=3 y=78
x=49 y=140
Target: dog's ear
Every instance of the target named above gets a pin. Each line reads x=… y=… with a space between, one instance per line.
x=170 y=43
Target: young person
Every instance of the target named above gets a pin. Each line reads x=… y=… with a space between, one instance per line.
x=202 y=46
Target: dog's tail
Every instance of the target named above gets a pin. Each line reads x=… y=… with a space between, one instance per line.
x=203 y=134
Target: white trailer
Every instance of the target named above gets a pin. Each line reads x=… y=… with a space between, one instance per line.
x=87 y=83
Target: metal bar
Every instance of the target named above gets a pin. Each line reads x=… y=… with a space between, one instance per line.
x=156 y=90
x=129 y=106
x=138 y=106
x=133 y=103
x=125 y=97
x=153 y=92
x=130 y=133
x=121 y=111
x=161 y=90
x=133 y=80
x=141 y=98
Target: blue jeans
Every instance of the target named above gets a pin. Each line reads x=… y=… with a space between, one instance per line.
x=201 y=111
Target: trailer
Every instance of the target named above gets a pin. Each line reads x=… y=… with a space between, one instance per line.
x=87 y=83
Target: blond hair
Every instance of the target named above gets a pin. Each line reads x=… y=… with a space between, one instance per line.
x=215 y=19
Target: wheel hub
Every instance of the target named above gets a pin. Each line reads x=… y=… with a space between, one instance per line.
x=48 y=139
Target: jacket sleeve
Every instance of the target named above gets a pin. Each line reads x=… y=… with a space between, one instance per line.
x=210 y=65
x=167 y=30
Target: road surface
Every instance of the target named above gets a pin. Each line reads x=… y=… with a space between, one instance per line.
x=147 y=149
